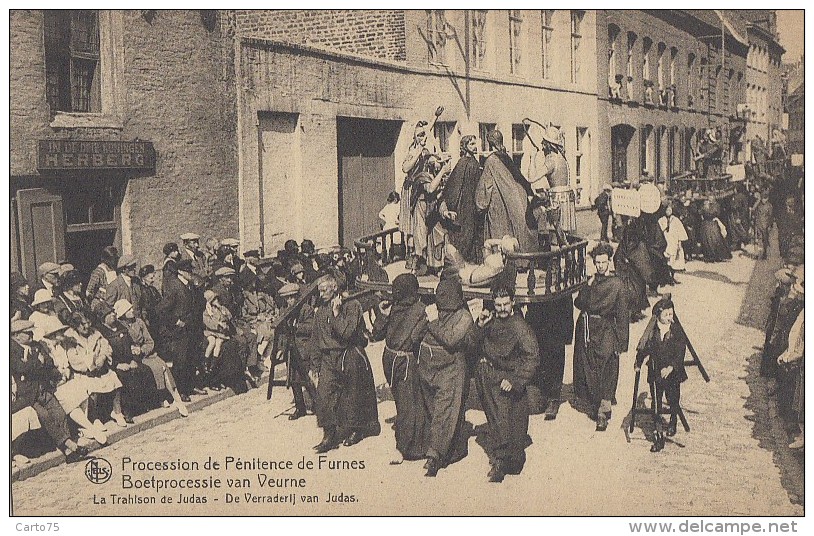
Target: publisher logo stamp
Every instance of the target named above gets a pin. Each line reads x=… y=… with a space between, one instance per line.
x=98 y=470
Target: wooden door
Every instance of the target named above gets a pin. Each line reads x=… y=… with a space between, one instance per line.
x=366 y=173
x=41 y=226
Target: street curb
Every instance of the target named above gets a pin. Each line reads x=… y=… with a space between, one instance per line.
x=142 y=422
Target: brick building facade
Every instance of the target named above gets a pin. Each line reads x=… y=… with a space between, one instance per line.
x=330 y=126
x=165 y=78
x=276 y=124
x=665 y=82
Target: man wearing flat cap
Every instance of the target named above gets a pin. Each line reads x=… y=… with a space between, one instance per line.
x=126 y=286
x=250 y=273
x=192 y=251
x=601 y=335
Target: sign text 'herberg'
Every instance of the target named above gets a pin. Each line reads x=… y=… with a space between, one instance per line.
x=72 y=154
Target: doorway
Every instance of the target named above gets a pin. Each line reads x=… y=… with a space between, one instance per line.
x=366 y=173
x=279 y=180
x=620 y=141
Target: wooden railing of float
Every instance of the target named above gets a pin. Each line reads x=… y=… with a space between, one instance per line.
x=564 y=268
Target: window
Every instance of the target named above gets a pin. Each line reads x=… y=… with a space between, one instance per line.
x=478 y=57
x=646 y=154
x=443 y=132
x=483 y=130
x=515 y=41
x=576 y=40
x=436 y=36
x=613 y=35
x=518 y=135
x=72 y=67
x=660 y=66
x=657 y=171
x=87 y=209
x=547 y=16
x=647 y=45
x=673 y=56
x=581 y=158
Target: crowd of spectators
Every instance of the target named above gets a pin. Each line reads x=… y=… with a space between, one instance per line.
x=90 y=353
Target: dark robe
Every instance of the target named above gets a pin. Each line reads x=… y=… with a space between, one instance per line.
x=509 y=352
x=139 y=392
x=553 y=325
x=402 y=331
x=713 y=245
x=601 y=334
x=466 y=233
x=346 y=391
x=444 y=374
x=505 y=201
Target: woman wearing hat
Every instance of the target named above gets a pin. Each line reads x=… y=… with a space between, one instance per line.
x=43 y=316
x=20 y=297
x=91 y=358
x=72 y=390
x=70 y=300
x=139 y=393
x=665 y=344
x=402 y=324
x=143 y=345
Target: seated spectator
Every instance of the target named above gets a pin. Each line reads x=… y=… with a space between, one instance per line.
x=298 y=276
x=91 y=357
x=258 y=312
x=48 y=274
x=138 y=392
x=71 y=390
x=143 y=345
x=217 y=325
x=43 y=316
x=35 y=376
x=70 y=300
x=20 y=297
x=23 y=419
x=102 y=275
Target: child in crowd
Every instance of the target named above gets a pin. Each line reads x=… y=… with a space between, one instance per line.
x=217 y=320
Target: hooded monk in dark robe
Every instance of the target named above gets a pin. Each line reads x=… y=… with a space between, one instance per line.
x=466 y=232
x=402 y=324
x=601 y=334
x=503 y=194
x=443 y=370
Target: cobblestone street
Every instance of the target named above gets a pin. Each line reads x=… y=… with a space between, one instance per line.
x=727 y=465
